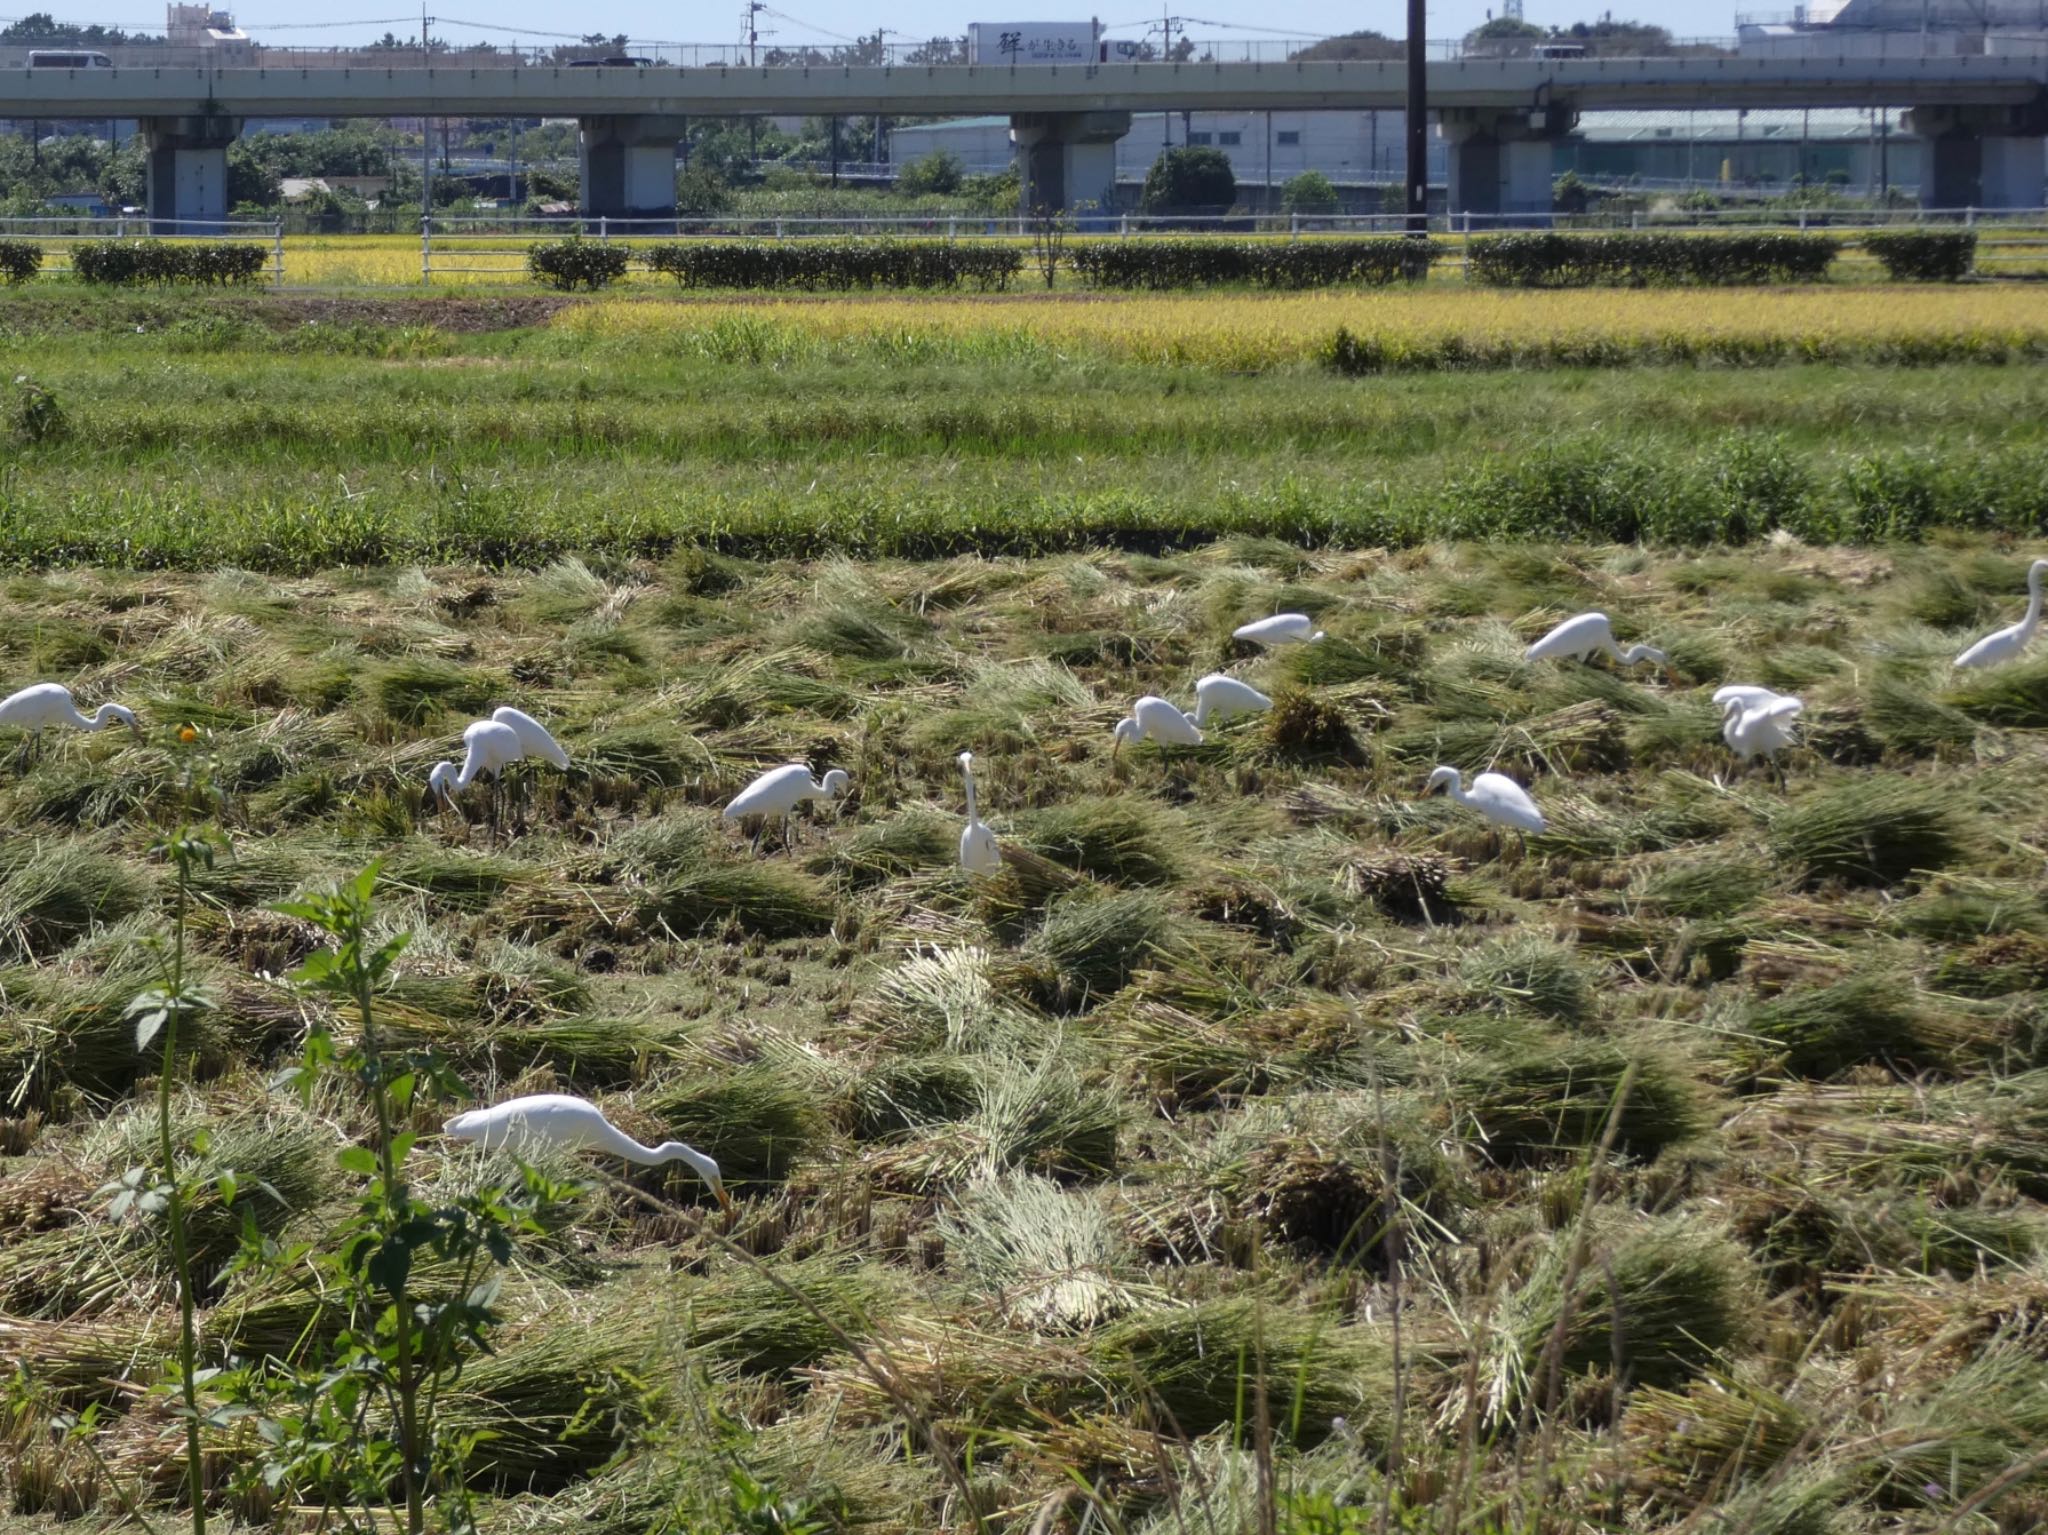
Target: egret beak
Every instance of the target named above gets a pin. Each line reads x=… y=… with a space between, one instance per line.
x=724 y=1199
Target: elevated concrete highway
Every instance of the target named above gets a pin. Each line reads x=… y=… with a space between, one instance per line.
x=1986 y=115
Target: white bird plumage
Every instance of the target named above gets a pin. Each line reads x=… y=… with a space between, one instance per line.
x=2004 y=644
x=1760 y=728
x=979 y=853
x=534 y=739
x=573 y=1124
x=1280 y=629
x=1220 y=696
x=44 y=704
x=1494 y=795
x=488 y=747
x=1580 y=637
x=1747 y=693
x=780 y=790
x=1154 y=719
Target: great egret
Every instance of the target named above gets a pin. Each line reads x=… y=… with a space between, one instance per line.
x=1748 y=694
x=1494 y=795
x=1220 y=696
x=780 y=790
x=573 y=1124
x=36 y=708
x=2005 y=643
x=534 y=740
x=488 y=747
x=1280 y=629
x=1154 y=719
x=1578 y=638
x=1758 y=729
x=978 y=851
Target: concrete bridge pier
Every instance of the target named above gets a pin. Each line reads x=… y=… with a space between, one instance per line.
x=629 y=166
x=1982 y=156
x=187 y=184
x=1065 y=159
x=1500 y=158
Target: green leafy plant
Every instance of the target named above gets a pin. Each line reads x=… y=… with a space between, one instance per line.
x=577 y=263
x=1165 y=264
x=20 y=260
x=1309 y=192
x=1924 y=255
x=35 y=414
x=835 y=266
x=1636 y=259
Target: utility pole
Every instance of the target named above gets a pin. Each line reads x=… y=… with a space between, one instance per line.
x=1418 y=120
x=426 y=133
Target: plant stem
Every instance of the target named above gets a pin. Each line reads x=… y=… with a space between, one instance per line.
x=181 y=1257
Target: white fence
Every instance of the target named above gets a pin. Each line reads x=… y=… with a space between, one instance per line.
x=60 y=236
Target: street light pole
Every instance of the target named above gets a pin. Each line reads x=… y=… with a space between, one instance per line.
x=1418 y=120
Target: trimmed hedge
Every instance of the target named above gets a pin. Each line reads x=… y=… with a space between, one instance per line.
x=1161 y=264
x=130 y=263
x=20 y=260
x=1924 y=255
x=836 y=265
x=1549 y=260
x=577 y=263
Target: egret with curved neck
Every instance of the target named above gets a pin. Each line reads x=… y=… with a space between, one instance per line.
x=36 y=708
x=1494 y=795
x=2010 y=641
x=978 y=851
x=573 y=1124
x=1578 y=638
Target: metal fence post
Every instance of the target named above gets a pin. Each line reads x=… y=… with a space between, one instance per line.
x=277 y=248
x=1969 y=218
x=426 y=249
x=778 y=229
x=1294 y=226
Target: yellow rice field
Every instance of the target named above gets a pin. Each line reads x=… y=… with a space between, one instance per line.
x=1255 y=331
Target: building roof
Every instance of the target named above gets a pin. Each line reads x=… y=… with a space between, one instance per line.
x=1774 y=124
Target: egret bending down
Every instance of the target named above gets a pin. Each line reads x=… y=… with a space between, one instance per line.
x=534 y=740
x=1578 y=638
x=978 y=851
x=1154 y=719
x=1758 y=729
x=2008 y=642
x=1494 y=795
x=573 y=1124
x=36 y=708
x=779 y=791
x=1280 y=629
x=1747 y=694
x=488 y=747
x=1221 y=697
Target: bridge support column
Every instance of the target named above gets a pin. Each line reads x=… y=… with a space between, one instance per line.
x=1982 y=157
x=629 y=166
x=1500 y=159
x=1065 y=159
x=187 y=182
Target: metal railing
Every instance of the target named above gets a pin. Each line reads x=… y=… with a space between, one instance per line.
x=59 y=236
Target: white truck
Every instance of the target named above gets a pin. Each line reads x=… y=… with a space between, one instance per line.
x=1034 y=42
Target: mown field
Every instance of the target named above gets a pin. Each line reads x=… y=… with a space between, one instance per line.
x=1266 y=1147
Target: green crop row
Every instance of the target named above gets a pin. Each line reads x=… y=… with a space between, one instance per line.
x=1165 y=264
x=835 y=265
x=161 y=263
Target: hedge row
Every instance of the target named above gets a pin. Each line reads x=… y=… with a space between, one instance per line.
x=836 y=264
x=1160 y=264
x=1924 y=255
x=1549 y=260
x=577 y=263
x=129 y=263
x=20 y=260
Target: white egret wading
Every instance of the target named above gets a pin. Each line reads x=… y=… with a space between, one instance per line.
x=978 y=851
x=488 y=747
x=1747 y=694
x=2009 y=642
x=779 y=791
x=1154 y=719
x=1581 y=637
x=1494 y=795
x=573 y=1124
x=1220 y=696
x=1280 y=629
x=35 y=709
x=1758 y=729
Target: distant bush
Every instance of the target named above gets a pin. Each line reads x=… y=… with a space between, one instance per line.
x=1924 y=255
x=577 y=263
x=1159 y=264
x=161 y=263
x=1549 y=260
x=1310 y=192
x=20 y=260
x=1189 y=178
x=935 y=172
x=835 y=265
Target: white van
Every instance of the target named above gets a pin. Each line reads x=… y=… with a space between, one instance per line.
x=57 y=58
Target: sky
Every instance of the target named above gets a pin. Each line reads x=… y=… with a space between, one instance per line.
x=538 y=21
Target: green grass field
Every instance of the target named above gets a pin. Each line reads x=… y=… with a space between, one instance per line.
x=1266 y=1148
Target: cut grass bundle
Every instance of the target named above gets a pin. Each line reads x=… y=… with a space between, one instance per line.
x=1529 y=973
x=1868 y=831
x=1707 y=888
x=54 y=892
x=416 y=690
x=1126 y=840
x=1094 y=943
x=1817 y=1031
x=767 y=899
x=886 y=850
x=1051 y=1258
x=756 y=1121
x=776 y=1326
x=1555 y=1101
x=2014 y=695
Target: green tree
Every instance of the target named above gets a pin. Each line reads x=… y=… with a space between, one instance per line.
x=1568 y=194
x=1506 y=29
x=701 y=190
x=935 y=172
x=1183 y=179
x=1355 y=45
x=1309 y=192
